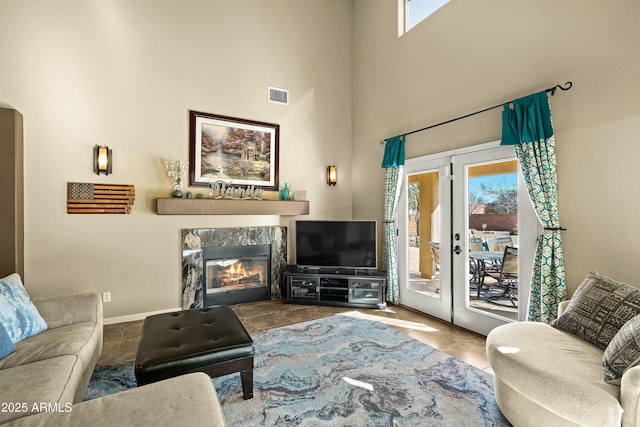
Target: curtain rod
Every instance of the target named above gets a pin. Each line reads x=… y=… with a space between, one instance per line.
x=551 y=89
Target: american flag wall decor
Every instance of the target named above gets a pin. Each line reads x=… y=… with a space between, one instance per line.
x=85 y=198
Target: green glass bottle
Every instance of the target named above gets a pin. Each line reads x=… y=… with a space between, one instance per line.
x=284 y=193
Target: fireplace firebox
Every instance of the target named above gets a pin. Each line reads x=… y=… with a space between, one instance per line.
x=197 y=241
x=235 y=274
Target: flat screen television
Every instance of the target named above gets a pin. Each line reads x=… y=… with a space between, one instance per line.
x=336 y=244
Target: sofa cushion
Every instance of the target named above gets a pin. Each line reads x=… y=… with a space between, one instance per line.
x=187 y=400
x=17 y=313
x=70 y=309
x=623 y=352
x=80 y=340
x=599 y=308
x=52 y=381
x=6 y=345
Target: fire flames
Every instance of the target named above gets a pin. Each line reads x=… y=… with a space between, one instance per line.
x=236 y=273
x=237 y=270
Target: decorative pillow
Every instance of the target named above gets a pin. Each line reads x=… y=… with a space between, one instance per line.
x=599 y=308
x=623 y=352
x=6 y=345
x=17 y=313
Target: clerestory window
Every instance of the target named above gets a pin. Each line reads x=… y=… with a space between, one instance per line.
x=413 y=12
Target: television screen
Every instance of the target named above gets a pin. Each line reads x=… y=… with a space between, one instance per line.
x=348 y=244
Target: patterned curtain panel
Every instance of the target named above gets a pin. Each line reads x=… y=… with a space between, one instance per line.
x=393 y=162
x=526 y=123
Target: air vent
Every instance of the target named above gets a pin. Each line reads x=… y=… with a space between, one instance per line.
x=278 y=96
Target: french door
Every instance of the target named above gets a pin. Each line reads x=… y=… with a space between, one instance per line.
x=453 y=207
x=424 y=242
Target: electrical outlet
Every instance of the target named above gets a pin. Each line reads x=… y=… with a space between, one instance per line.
x=106 y=297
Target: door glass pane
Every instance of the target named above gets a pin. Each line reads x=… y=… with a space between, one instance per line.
x=424 y=233
x=492 y=203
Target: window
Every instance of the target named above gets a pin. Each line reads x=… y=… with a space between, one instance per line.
x=415 y=11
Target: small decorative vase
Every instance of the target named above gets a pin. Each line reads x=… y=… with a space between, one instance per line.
x=284 y=193
x=177 y=194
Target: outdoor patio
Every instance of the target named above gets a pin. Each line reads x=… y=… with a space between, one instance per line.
x=430 y=286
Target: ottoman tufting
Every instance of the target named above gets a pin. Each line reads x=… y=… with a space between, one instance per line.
x=210 y=340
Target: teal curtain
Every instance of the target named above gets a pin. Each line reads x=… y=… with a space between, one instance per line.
x=526 y=124
x=393 y=162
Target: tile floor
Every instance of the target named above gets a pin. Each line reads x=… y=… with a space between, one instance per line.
x=121 y=339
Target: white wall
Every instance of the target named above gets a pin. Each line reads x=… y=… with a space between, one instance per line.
x=125 y=74
x=472 y=55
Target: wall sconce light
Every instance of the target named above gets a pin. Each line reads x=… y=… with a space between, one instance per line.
x=102 y=160
x=332 y=177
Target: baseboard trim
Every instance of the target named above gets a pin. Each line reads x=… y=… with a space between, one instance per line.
x=136 y=317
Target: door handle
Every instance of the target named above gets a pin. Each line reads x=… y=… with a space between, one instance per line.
x=457 y=250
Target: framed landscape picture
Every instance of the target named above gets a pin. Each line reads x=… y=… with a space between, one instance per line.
x=234 y=151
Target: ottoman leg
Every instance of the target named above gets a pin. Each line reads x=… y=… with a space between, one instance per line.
x=247 y=383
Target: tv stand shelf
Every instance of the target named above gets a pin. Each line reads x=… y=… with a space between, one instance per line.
x=347 y=288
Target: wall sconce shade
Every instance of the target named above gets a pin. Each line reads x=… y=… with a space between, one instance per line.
x=102 y=160
x=332 y=176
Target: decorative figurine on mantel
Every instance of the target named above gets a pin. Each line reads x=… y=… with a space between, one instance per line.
x=227 y=191
x=175 y=169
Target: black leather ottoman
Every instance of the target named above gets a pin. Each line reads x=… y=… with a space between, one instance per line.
x=210 y=340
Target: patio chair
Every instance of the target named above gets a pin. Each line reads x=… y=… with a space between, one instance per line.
x=435 y=253
x=475 y=244
x=498 y=243
x=507 y=277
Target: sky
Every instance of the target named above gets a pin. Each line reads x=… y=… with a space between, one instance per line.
x=418 y=10
x=509 y=180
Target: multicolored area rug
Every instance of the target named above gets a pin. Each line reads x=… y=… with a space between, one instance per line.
x=110 y=379
x=348 y=371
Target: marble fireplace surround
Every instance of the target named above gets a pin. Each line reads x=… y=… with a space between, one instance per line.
x=195 y=239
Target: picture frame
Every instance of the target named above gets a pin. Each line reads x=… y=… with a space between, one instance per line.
x=233 y=151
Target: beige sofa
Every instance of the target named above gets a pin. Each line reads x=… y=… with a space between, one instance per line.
x=49 y=373
x=545 y=376
x=53 y=366
x=187 y=400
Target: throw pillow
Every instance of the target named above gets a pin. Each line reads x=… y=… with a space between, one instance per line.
x=599 y=308
x=6 y=345
x=17 y=313
x=623 y=352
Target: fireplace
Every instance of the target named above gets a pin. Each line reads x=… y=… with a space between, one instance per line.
x=207 y=252
x=234 y=274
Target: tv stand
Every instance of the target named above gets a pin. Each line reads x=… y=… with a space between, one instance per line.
x=338 y=287
x=336 y=270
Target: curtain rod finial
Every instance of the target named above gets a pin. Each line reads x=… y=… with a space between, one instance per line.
x=563 y=88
